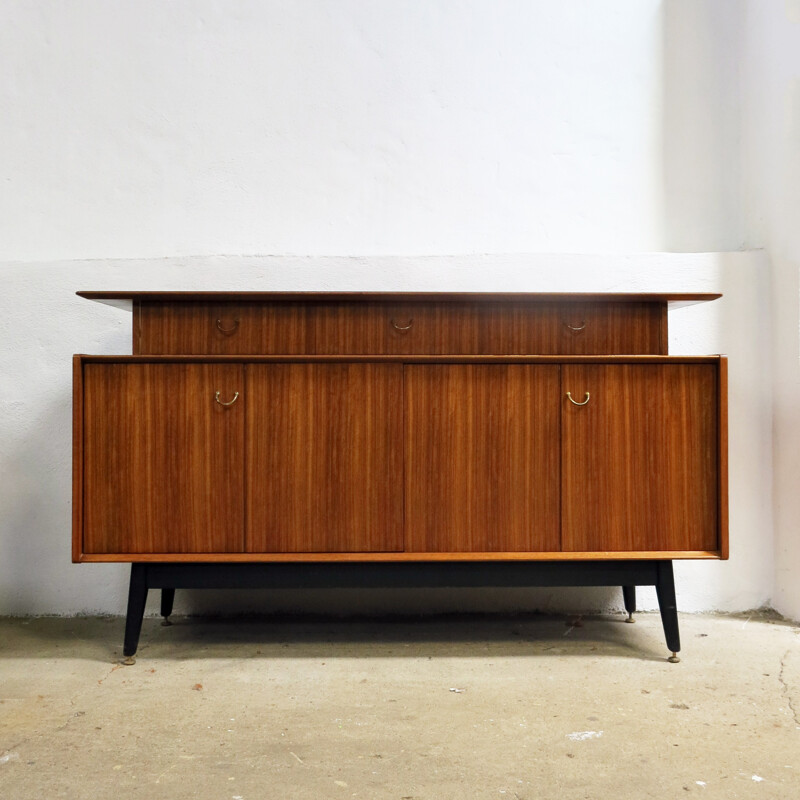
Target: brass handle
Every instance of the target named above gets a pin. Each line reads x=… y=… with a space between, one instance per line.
x=227 y=330
x=575 y=402
x=573 y=328
x=402 y=327
x=222 y=403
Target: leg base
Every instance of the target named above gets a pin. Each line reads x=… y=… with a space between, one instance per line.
x=627 y=574
x=166 y=623
x=674 y=659
x=137 y=597
x=128 y=661
x=665 y=589
x=629 y=597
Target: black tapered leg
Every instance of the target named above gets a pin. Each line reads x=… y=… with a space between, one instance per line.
x=629 y=597
x=167 y=599
x=665 y=589
x=137 y=597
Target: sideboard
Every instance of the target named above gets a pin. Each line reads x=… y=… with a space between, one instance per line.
x=374 y=439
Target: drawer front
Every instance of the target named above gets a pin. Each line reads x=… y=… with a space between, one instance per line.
x=587 y=329
x=392 y=329
x=222 y=329
x=507 y=328
x=403 y=328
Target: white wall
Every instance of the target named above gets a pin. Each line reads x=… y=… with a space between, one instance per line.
x=141 y=130
x=138 y=128
x=772 y=191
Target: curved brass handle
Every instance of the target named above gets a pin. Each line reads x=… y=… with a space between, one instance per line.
x=573 y=328
x=575 y=402
x=401 y=327
x=222 y=403
x=227 y=330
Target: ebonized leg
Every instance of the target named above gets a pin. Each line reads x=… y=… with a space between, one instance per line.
x=665 y=589
x=629 y=597
x=167 y=599
x=137 y=597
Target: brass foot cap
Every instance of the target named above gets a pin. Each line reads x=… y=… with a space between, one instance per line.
x=128 y=661
x=673 y=659
x=630 y=620
x=165 y=623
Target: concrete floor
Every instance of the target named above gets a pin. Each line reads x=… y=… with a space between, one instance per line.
x=430 y=709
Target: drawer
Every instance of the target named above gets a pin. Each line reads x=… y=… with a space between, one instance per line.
x=436 y=328
x=507 y=328
x=401 y=328
x=587 y=329
x=391 y=328
x=223 y=329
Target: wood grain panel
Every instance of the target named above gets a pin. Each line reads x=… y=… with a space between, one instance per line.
x=224 y=329
x=136 y=333
x=513 y=328
x=324 y=461
x=482 y=458
x=163 y=461
x=77 y=458
x=611 y=329
x=366 y=556
x=722 y=459
x=639 y=460
x=390 y=328
x=675 y=299
x=377 y=328
x=436 y=328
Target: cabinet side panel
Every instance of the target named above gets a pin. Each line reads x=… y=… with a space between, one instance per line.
x=163 y=461
x=723 y=457
x=324 y=458
x=482 y=458
x=640 y=459
x=77 y=458
x=664 y=329
x=136 y=328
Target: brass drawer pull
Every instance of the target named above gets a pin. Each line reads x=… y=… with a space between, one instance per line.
x=222 y=403
x=575 y=402
x=227 y=330
x=576 y=329
x=402 y=328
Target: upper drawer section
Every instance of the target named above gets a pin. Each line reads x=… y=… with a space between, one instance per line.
x=402 y=328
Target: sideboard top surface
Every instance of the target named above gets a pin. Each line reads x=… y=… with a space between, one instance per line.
x=125 y=299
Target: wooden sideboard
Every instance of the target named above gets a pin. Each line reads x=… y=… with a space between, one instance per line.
x=399 y=439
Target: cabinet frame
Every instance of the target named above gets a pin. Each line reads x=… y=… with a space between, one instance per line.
x=720 y=552
x=463 y=329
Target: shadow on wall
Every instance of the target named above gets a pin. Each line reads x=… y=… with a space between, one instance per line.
x=701 y=124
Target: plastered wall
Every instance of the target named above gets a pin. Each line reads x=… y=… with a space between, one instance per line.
x=138 y=128
x=771 y=154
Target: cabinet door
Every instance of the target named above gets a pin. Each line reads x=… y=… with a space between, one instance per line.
x=163 y=460
x=324 y=458
x=640 y=457
x=482 y=458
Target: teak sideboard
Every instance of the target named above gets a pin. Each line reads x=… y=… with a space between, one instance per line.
x=374 y=439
